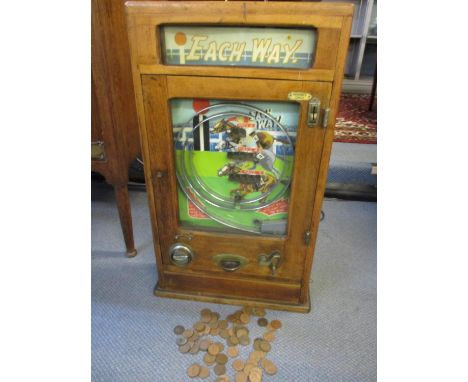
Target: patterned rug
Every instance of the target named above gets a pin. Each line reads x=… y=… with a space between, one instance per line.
x=355 y=123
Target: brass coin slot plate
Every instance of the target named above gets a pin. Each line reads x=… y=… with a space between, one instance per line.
x=230 y=262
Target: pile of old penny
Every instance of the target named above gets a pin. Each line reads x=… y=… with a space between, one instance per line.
x=227 y=335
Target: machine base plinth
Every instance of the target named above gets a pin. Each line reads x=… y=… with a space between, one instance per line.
x=298 y=308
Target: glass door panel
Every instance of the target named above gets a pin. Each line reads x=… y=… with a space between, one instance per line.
x=234 y=161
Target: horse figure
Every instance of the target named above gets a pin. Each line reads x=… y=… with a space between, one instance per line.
x=248 y=183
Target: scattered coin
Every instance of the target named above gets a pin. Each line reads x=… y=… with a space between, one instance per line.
x=276 y=324
x=245 y=318
x=241 y=377
x=221 y=359
x=199 y=326
x=205 y=311
x=269 y=367
x=188 y=333
x=220 y=346
x=185 y=348
x=244 y=340
x=195 y=348
x=248 y=367
x=238 y=365
x=181 y=341
x=224 y=333
x=222 y=378
x=193 y=370
x=265 y=346
x=219 y=369
x=204 y=344
x=206 y=317
x=269 y=336
x=179 y=329
x=223 y=324
x=255 y=374
x=233 y=351
x=260 y=312
x=262 y=321
x=209 y=359
x=242 y=331
x=213 y=349
x=233 y=340
x=204 y=372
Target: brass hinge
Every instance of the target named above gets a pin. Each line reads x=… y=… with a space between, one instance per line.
x=307 y=237
x=97 y=150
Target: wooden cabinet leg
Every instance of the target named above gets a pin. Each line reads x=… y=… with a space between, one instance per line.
x=123 y=206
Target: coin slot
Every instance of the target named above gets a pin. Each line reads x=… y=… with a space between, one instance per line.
x=230 y=262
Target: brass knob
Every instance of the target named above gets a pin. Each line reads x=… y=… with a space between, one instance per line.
x=273 y=260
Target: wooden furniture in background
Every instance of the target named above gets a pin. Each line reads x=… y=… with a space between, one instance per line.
x=114 y=123
x=200 y=277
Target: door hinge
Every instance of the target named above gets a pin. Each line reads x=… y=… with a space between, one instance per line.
x=326 y=113
x=307 y=237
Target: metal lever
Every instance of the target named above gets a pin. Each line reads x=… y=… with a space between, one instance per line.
x=272 y=260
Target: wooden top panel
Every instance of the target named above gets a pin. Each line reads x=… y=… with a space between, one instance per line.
x=145 y=18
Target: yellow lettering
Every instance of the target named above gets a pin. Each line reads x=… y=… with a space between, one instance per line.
x=275 y=54
x=211 y=52
x=236 y=52
x=290 y=51
x=222 y=48
x=260 y=48
x=195 y=46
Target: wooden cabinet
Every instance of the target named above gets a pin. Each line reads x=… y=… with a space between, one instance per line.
x=237 y=106
x=114 y=124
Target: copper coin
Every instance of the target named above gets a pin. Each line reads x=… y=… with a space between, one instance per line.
x=234 y=340
x=269 y=366
x=233 y=351
x=214 y=331
x=204 y=344
x=248 y=367
x=223 y=324
x=242 y=331
x=219 y=369
x=245 y=318
x=276 y=324
x=256 y=344
x=269 y=336
x=220 y=346
x=179 y=329
x=248 y=309
x=214 y=317
x=199 y=326
x=195 y=348
x=188 y=333
x=206 y=317
x=241 y=377
x=256 y=356
x=222 y=378
x=209 y=359
x=231 y=332
x=260 y=312
x=213 y=349
x=255 y=374
x=244 y=340
x=221 y=358
x=238 y=364
x=262 y=321
x=193 y=370
x=265 y=346
x=205 y=311
x=185 y=348
x=181 y=341
x=204 y=372
x=224 y=333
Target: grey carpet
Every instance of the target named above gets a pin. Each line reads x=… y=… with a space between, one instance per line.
x=132 y=338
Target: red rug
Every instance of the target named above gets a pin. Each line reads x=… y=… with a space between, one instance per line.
x=355 y=123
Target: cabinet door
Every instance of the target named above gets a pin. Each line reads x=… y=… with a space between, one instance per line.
x=234 y=165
